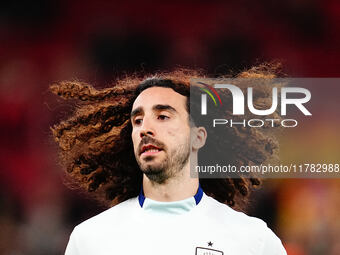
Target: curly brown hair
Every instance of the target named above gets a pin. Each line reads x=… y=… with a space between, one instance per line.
x=95 y=145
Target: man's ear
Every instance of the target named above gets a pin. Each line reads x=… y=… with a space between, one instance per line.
x=198 y=137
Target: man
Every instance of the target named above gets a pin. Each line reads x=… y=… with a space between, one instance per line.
x=173 y=213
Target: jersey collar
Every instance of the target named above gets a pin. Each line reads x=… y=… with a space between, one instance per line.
x=197 y=197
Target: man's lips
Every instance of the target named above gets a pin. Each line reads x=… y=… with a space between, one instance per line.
x=149 y=149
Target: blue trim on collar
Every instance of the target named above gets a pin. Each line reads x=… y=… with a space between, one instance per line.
x=198 y=196
x=141 y=197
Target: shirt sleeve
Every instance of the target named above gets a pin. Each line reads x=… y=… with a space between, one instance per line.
x=71 y=248
x=273 y=245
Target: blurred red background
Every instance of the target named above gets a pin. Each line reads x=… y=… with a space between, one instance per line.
x=46 y=41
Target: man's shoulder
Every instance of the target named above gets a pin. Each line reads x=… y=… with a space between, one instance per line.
x=226 y=215
x=245 y=227
x=113 y=215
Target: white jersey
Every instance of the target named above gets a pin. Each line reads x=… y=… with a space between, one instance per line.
x=168 y=228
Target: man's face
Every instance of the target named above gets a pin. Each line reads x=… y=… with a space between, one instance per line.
x=161 y=133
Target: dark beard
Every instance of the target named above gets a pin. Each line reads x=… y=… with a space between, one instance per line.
x=169 y=167
x=156 y=175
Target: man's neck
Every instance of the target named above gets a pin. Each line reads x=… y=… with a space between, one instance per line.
x=173 y=189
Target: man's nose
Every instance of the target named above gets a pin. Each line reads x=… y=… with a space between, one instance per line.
x=146 y=128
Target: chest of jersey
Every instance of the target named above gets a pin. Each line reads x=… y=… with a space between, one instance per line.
x=157 y=235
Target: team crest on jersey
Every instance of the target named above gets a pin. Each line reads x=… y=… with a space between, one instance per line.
x=207 y=251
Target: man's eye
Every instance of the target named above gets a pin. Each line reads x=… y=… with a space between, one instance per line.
x=138 y=121
x=163 y=117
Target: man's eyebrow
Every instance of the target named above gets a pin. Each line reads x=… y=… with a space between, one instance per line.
x=138 y=110
x=164 y=107
x=157 y=107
